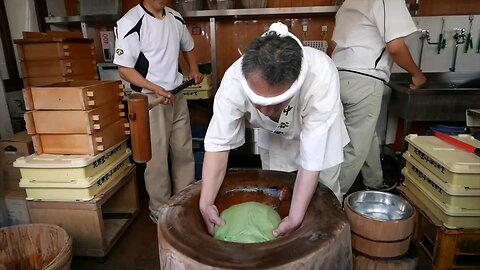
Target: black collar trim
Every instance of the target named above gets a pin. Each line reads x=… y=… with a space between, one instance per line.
x=148 y=12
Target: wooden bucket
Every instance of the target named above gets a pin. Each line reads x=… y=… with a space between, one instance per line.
x=408 y=261
x=35 y=246
x=322 y=241
x=377 y=237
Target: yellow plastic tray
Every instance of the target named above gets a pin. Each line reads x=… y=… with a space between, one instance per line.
x=451 y=196
x=76 y=191
x=202 y=90
x=449 y=163
x=68 y=168
x=452 y=218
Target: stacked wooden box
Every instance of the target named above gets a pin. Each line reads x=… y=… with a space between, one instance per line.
x=48 y=58
x=73 y=118
x=81 y=171
x=443 y=182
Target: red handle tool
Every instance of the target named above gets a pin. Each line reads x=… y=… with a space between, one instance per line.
x=451 y=140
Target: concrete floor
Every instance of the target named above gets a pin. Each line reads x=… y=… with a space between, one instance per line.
x=137 y=249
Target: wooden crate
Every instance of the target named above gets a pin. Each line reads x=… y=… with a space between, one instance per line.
x=41 y=49
x=42 y=81
x=73 y=122
x=72 y=95
x=61 y=67
x=97 y=224
x=446 y=248
x=81 y=144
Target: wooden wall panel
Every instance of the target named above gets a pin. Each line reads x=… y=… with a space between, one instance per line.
x=448 y=7
x=202 y=43
x=71 y=7
x=128 y=4
x=238 y=34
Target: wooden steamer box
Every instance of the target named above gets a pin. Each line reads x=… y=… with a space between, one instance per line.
x=72 y=95
x=41 y=81
x=87 y=117
x=55 y=48
x=81 y=144
x=94 y=225
x=85 y=122
x=59 y=68
x=49 y=58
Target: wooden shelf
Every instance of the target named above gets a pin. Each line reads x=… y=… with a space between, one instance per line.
x=95 y=225
x=238 y=12
x=79 y=19
x=246 y=12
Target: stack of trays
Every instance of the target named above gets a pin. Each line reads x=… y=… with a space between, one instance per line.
x=75 y=117
x=445 y=178
x=203 y=90
x=72 y=177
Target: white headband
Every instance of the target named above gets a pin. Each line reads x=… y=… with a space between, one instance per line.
x=282 y=30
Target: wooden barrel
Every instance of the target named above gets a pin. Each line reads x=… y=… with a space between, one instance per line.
x=35 y=246
x=322 y=241
x=381 y=238
x=409 y=261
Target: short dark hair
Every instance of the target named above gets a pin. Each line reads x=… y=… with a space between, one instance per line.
x=277 y=59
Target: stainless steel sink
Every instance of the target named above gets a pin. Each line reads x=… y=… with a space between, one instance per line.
x=445 y=96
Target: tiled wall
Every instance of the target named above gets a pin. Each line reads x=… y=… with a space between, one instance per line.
x=442 y=62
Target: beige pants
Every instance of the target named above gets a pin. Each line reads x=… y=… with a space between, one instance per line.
x=328 y=177
x=362 y=98
x=171 y=139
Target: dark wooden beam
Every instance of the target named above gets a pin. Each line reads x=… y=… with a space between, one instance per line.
x=42 y=13
x=14 y=78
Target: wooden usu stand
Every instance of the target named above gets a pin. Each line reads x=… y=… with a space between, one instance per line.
x=97 y=224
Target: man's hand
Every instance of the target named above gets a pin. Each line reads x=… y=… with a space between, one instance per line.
x=163 y=96
x=197 y=76
x=287 y=226
x=211 y=217
x=418 y=80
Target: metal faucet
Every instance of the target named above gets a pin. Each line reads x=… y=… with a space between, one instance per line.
x=459 y=39
x=424 y=35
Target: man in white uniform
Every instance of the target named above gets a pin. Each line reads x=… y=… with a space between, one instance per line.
x=292 y=93
x=149 y=38
x=369 y=35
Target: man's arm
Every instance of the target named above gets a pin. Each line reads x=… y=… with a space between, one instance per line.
x=305 y=186
x=213 y=172
x=402 y=57
x=193 y=67
x=132 y=76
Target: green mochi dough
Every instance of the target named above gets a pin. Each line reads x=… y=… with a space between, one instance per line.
x=249 y=222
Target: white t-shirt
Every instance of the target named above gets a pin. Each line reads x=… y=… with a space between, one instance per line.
x=151 y=45
x=310 y=131
x=362 y=29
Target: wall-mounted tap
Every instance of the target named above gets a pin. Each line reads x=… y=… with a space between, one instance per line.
x=469 y=40
x=442 y=42
x=459 y=38
x=424 y=35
